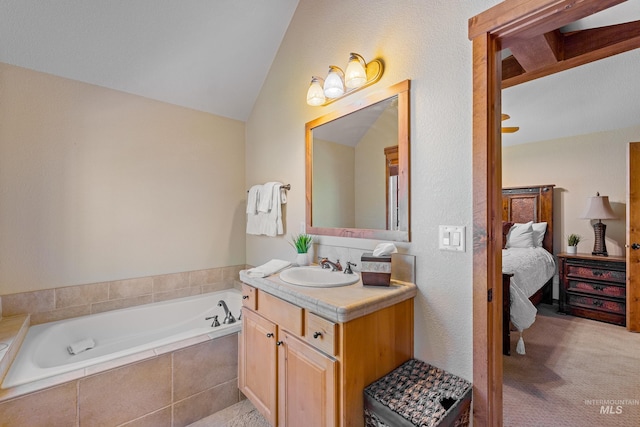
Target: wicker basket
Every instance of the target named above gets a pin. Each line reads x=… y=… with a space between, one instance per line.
x=417 y=394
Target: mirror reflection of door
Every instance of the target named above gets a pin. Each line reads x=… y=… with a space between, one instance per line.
x=391 y=173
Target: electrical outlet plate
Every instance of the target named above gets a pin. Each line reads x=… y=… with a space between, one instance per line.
x=452 y=238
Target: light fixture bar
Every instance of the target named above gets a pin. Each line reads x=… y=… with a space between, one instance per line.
x=349 y=82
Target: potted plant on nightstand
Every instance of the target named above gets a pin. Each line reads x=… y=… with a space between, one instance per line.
x=302 y=242
x=572 y=243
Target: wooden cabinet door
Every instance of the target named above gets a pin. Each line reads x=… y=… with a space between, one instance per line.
x=307 y=385
x=258 y=363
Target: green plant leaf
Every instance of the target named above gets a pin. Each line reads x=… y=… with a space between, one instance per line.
x=301 y=242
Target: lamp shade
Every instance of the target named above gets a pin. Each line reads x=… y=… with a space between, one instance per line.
x=356 y=74
x=333 y=84
x=315 y=94
x=598 y=207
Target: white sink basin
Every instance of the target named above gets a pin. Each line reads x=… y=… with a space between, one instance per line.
x=316 y=277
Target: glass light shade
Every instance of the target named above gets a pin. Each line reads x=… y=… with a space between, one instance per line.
x=356 y=74
x=333 y=84
x=315 y=94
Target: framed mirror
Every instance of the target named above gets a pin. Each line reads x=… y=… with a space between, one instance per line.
x=357 y=169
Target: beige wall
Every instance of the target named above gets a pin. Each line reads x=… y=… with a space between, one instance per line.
x=99 y=185
x=427 y=43
x=579 y=167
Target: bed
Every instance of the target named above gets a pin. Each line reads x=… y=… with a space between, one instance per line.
x=528 y=269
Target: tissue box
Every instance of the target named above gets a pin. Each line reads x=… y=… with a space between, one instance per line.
x=375 y=270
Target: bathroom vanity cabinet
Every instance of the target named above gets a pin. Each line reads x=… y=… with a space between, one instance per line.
x=300 y=368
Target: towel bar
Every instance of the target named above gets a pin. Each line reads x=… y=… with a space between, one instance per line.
x=286 y=187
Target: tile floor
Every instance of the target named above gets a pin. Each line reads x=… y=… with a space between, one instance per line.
x=242 y=414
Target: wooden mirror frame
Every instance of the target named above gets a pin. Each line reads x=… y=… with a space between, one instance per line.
x=490 y=31
x=401 y=90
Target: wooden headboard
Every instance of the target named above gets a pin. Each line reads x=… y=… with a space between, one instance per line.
x=524 y=204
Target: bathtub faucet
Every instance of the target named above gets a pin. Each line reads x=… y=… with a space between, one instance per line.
x=228 y=317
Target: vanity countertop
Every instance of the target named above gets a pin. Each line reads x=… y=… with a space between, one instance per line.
x=339 y=304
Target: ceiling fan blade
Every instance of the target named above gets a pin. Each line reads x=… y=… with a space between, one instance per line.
x=510 y=129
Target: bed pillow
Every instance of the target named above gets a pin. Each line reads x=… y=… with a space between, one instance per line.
x=506 y=226
x=521 y=236
x=539 y=228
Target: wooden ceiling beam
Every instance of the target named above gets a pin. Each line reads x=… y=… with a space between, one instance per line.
x=578 y=48
x=539 y=51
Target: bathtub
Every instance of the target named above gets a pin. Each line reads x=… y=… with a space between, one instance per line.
x=119 y=333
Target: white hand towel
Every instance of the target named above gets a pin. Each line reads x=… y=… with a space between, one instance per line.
x=265 y=199
x=252 y=199
x=80 y=346
x=254 y=224
x=269 y=268
x=271 y=222
x=253 y=218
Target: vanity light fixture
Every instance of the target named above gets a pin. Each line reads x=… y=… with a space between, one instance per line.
x=356 y=74
x=334 y=83
x=338 y=84
x=315 y=94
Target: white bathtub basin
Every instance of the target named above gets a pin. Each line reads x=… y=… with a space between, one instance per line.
x=316 y=277
x=119 y=333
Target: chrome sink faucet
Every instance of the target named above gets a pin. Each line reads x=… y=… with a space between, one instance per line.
x=228 y=317
x=348 y=270
x=334 y=266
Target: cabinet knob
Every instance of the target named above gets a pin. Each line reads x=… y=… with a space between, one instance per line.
x=245 y=296
x=317 y=334
x=269 y=335
x=279 y=343
x=635 y=246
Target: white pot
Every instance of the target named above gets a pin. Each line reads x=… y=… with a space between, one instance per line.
x=572 y=250
x=302 y=259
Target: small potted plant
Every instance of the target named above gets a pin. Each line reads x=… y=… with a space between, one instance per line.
x=302 y=243
x=572 y=243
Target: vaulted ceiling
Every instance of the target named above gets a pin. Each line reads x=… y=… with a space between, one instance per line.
x=211 y=56
x=214 y=56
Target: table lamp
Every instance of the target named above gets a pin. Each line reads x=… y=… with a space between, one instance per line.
x=598 y=207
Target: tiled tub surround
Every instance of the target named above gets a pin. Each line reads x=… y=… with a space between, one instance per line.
x=72 y=301
x=37 y=400
x=174 y=387
x=118 y=334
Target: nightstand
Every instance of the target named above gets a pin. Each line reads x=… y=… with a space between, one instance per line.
x=593 y=287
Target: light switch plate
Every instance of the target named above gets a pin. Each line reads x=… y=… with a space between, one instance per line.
x=452 y=238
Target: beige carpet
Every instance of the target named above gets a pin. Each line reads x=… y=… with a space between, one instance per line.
x=577 y=372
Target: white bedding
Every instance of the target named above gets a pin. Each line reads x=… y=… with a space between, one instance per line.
x=531 y=269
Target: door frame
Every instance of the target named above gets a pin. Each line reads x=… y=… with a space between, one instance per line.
x=488 y=31
x=633 y=236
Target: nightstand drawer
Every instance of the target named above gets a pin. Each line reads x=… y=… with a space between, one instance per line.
x=598 y=289
x=601 y=274
x=617 y=307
